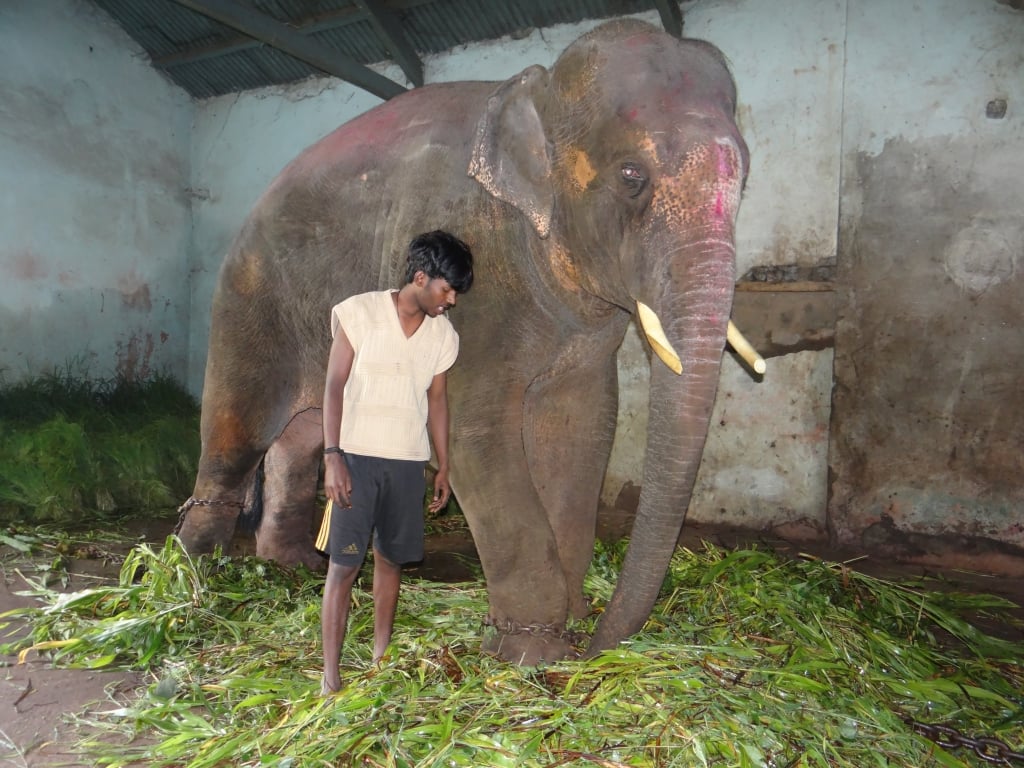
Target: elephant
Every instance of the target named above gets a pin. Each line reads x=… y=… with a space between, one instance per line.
x=604 y=187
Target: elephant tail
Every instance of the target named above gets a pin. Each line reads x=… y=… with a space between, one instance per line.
x=252 y=511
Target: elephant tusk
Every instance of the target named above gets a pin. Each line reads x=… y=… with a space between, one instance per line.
x=663 y=347
x=744 y=349
x=656 y=336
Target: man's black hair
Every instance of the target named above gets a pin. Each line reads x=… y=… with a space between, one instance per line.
x=441 y=254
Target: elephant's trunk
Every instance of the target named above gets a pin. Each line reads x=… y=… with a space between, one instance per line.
x=694 y=312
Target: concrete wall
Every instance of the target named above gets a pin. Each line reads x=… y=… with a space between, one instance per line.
x=928 y=427
x=94 y=215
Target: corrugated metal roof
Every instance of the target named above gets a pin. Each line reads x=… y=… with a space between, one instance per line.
x=207 y=56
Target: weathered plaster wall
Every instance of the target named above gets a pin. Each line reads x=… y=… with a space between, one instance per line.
x=928 y=429
x=93 y=207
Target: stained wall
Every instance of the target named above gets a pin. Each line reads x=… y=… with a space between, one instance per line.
x=95 y=215
x=927 y=437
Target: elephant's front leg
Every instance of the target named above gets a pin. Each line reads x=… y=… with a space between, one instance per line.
x=490 y=476
x=291 y=472
x=568 y=428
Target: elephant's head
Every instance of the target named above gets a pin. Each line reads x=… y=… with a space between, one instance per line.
x=627 y=160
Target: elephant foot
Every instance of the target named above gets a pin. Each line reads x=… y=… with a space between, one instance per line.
x=206 y=525
x=290 y=555
x=285 y=537
x=529 y=646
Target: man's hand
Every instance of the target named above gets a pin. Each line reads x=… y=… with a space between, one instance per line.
x=337 y=480
x=441 y=491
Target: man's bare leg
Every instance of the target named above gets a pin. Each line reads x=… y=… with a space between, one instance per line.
x=387 y=579
x=334 y=620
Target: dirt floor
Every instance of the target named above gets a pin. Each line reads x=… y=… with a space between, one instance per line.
x=38 y=702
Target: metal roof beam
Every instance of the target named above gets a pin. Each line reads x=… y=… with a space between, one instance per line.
x=671 y=16
x=333 y=20
x=261 y=27
x=535 y=12
x=389 y=29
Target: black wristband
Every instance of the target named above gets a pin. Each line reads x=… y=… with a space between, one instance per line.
x=334 y=449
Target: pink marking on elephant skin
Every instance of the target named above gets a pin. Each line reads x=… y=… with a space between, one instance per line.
x=728 y=168
x=726 y=160
x=379 y=128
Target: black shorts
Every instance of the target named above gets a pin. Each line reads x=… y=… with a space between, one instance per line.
x=387 y=501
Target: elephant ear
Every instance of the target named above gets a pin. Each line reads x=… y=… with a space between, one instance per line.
x=511 y=158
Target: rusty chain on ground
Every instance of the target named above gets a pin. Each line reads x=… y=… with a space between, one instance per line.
x=192 y=501
x=988 y=748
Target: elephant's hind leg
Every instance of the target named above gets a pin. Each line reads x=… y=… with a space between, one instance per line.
x=237 y=427
x=291 y=480
x=227 y=467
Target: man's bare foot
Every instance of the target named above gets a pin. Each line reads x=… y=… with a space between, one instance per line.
x=326 y=689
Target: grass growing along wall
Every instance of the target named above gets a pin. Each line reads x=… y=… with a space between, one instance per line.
x=74 y=448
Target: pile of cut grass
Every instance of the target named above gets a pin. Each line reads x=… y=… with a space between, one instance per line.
x=749 y=660
x=73 y=449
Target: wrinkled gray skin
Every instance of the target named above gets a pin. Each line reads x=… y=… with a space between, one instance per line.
x=613 y=178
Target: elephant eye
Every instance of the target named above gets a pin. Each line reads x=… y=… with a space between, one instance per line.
x=634 y=178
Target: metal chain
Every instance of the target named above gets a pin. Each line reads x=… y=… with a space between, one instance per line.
x=988 y=748
x=192 y=501
x=513 y=627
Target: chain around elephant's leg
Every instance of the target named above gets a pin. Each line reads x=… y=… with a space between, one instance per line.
x=202 y=533
x=530 y=644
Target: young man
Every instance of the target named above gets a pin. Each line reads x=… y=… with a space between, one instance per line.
x=386 y=387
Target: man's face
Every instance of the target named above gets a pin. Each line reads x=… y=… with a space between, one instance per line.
x=435 y=296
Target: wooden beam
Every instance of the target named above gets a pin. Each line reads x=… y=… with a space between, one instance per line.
x=671 y=16
x=785 y=322
x=801 y=286
x=267 y=30
x=390 y=31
